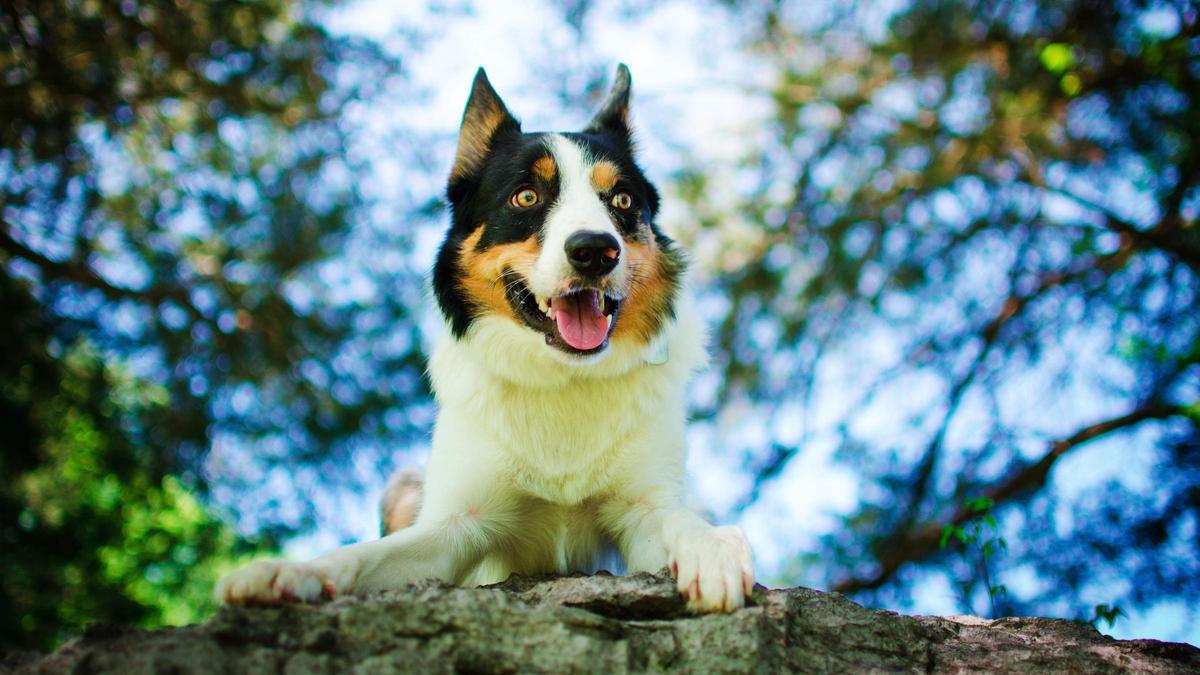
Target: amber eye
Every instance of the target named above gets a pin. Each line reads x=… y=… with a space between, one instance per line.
x=524 y=198
x=622 y=200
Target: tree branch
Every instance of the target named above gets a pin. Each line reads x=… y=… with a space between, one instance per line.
x=1022 y=481
x=989 y=334
x=86 y=276
x=1165 y=235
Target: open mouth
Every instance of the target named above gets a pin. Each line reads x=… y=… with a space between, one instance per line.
x=577 y=322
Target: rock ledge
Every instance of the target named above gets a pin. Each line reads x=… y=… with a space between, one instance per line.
x=602 y=623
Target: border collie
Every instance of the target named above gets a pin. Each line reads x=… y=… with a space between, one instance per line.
x=571 y=338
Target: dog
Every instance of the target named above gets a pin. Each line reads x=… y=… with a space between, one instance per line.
x=561 y=382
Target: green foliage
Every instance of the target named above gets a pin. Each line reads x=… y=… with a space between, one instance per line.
x=173 y=178
x=1060 y=59
x=1057 y=57
x=978 y=511
x=978 y=533
x=1106 y=613
x=92 y=529
x=1103 y=613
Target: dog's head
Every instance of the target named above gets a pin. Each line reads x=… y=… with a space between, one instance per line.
x=552 y=234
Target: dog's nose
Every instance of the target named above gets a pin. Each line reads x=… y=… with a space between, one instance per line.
x=593 y=253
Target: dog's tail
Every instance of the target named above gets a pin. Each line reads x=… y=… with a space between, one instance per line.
x=401 y=500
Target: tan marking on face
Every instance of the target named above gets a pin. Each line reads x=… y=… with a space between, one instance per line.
x=482 y=271
x=605 y=175
x=545 y=168
x=642 y=313
x=475 y=138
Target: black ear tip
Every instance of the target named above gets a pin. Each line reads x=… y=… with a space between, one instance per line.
x=482 y=90
x=622 y=80
x=482 y=84
x=614 y=112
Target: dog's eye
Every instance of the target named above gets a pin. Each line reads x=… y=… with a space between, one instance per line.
x=524 y=198
x=622 y=200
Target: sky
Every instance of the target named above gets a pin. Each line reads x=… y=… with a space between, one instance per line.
x=698 y=98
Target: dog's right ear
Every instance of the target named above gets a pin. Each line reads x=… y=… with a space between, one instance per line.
x=613 y=117
x=484 y=117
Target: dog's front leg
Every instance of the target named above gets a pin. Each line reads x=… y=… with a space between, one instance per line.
x=712 y=566
x=445 y=548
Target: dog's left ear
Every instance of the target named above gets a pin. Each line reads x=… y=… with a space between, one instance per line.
x=484 y=117
x=613 y=117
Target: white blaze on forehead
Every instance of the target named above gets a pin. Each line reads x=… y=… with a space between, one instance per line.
x=578 y=208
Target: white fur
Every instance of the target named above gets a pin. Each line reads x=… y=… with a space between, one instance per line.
x=540 y=459
x=578 y=208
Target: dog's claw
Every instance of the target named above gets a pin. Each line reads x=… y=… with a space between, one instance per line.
x=713 y=570
x=270 y=582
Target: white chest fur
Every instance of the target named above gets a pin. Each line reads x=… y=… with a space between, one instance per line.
x=565 y=431
x=564 y=443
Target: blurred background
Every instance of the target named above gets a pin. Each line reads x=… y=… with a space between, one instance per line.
x=948 y=251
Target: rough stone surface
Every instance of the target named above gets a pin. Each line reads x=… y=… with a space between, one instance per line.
x=599 y=624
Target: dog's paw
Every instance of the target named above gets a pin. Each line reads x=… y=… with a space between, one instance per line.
x=270 y=582
x=713 y=569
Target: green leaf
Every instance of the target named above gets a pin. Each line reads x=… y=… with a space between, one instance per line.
x=1107 y=613
x=979 y=504
x=1193 y=411
x=1071 y=84
x=947 y=532
x=1057 y=57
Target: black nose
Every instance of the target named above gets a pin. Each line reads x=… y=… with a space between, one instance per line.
x=593 y=253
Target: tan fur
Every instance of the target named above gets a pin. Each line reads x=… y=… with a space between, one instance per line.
x=545 y=168
x=605 y=176
x=478 y=127
x=482 y=270
x=401 y=501
x=642 y=313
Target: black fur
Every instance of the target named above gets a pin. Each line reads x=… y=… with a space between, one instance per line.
x=482 y=195
x=620 y=150
x=613 y=117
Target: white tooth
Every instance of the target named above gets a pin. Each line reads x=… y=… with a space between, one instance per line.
x=601 y=302
x=608 y=320
x=542 y=305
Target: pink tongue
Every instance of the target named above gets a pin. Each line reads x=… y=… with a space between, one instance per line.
x=580 y=321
